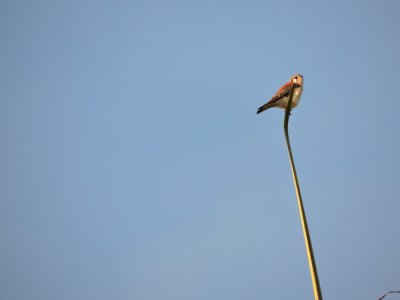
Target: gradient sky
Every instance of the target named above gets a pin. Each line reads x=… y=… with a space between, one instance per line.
x=133 y=164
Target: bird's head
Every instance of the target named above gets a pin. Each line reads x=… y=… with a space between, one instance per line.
x=297 y=79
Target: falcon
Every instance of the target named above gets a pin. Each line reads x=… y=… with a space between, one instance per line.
x=281 y=97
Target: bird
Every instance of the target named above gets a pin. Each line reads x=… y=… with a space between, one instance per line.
x=281 y=97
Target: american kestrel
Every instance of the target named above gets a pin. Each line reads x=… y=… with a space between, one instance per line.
x=281 y=97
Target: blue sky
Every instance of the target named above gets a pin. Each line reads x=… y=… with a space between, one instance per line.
x=133 y=165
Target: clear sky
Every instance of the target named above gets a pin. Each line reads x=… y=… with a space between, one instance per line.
x=133 y=164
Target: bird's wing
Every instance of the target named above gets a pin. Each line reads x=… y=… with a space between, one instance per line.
x=282 y=92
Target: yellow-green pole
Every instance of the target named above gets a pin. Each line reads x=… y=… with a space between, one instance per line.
x=306 y=233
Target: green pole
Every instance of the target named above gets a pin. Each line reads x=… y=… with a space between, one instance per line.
x=306 y=233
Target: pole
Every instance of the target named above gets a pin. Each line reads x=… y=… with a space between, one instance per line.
x=306 y=233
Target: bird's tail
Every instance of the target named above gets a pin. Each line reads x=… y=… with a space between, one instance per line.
x=264 y=107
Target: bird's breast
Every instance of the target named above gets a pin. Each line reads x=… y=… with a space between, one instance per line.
x=296 y=96
x=295 y=100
